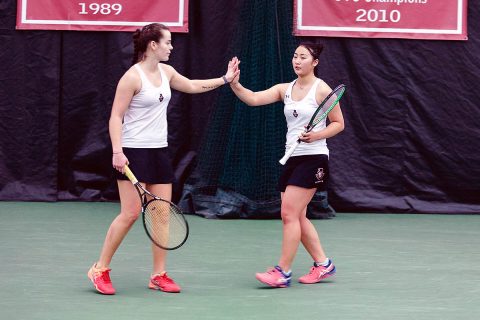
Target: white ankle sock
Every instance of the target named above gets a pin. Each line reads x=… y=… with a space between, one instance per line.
x=324 y=263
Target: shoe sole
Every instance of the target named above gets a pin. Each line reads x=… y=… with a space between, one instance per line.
x=326 y=276
x=273 y=285
x=155 y=287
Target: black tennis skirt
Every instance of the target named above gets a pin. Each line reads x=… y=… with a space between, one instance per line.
x=309 y=171
x=149 y=165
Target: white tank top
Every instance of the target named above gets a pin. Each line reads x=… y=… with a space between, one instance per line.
x=298 y=114
x=145 y=122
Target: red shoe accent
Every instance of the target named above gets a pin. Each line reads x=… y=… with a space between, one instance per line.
x=100 y=278
x=163 y=283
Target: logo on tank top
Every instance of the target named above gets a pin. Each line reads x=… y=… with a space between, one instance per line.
x=295 y=113
x=319 y=175
x=160 y=98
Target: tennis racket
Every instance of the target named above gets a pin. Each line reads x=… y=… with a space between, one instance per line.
x=321 y=113
x=163 y=221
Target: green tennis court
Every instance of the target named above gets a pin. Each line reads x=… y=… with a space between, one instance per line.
x=401 y=266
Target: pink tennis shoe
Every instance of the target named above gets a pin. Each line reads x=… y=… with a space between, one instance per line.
x=318 y=273
x=100 y=278
x=275 y=277
x=163 y=283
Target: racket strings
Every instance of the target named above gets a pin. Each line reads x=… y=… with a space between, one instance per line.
x=165 y=224
x=329 y=104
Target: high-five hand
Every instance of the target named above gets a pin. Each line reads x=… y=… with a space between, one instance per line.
x=232 y=69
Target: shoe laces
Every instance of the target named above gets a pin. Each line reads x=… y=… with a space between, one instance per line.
x=272 y=270
x=320 y=269
x=277 y=269
x=164 y=277
x=103 y=274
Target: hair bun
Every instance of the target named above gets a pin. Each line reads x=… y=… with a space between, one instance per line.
x=137 y=33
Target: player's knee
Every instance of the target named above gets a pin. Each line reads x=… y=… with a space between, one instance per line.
x=131 y=216
x=289 y=215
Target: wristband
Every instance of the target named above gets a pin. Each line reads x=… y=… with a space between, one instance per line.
x=224 y=79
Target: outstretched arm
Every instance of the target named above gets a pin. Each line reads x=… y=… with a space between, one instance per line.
x=258 y=98
x=183 y=84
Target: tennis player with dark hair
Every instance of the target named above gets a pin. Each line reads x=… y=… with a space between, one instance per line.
x=138 y=131
x=307 y=170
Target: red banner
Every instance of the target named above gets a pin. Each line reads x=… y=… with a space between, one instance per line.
x=415 y=19
x=101 y=15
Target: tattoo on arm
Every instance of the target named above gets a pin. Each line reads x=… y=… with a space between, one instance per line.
x=209 y=87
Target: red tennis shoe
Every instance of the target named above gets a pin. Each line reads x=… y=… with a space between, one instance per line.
x=100 y=278
x=163 y=283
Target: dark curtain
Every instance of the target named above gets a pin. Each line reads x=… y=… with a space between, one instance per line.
x=410 y=145
x=29 y=113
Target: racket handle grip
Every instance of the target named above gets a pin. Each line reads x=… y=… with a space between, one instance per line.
x=289 y=153
x=130 y=175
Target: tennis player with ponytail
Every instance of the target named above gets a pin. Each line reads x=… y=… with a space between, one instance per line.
x=306 y=171
x=138 y=131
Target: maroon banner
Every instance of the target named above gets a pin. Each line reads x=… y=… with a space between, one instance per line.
x=415 y=19
x=101 y=15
